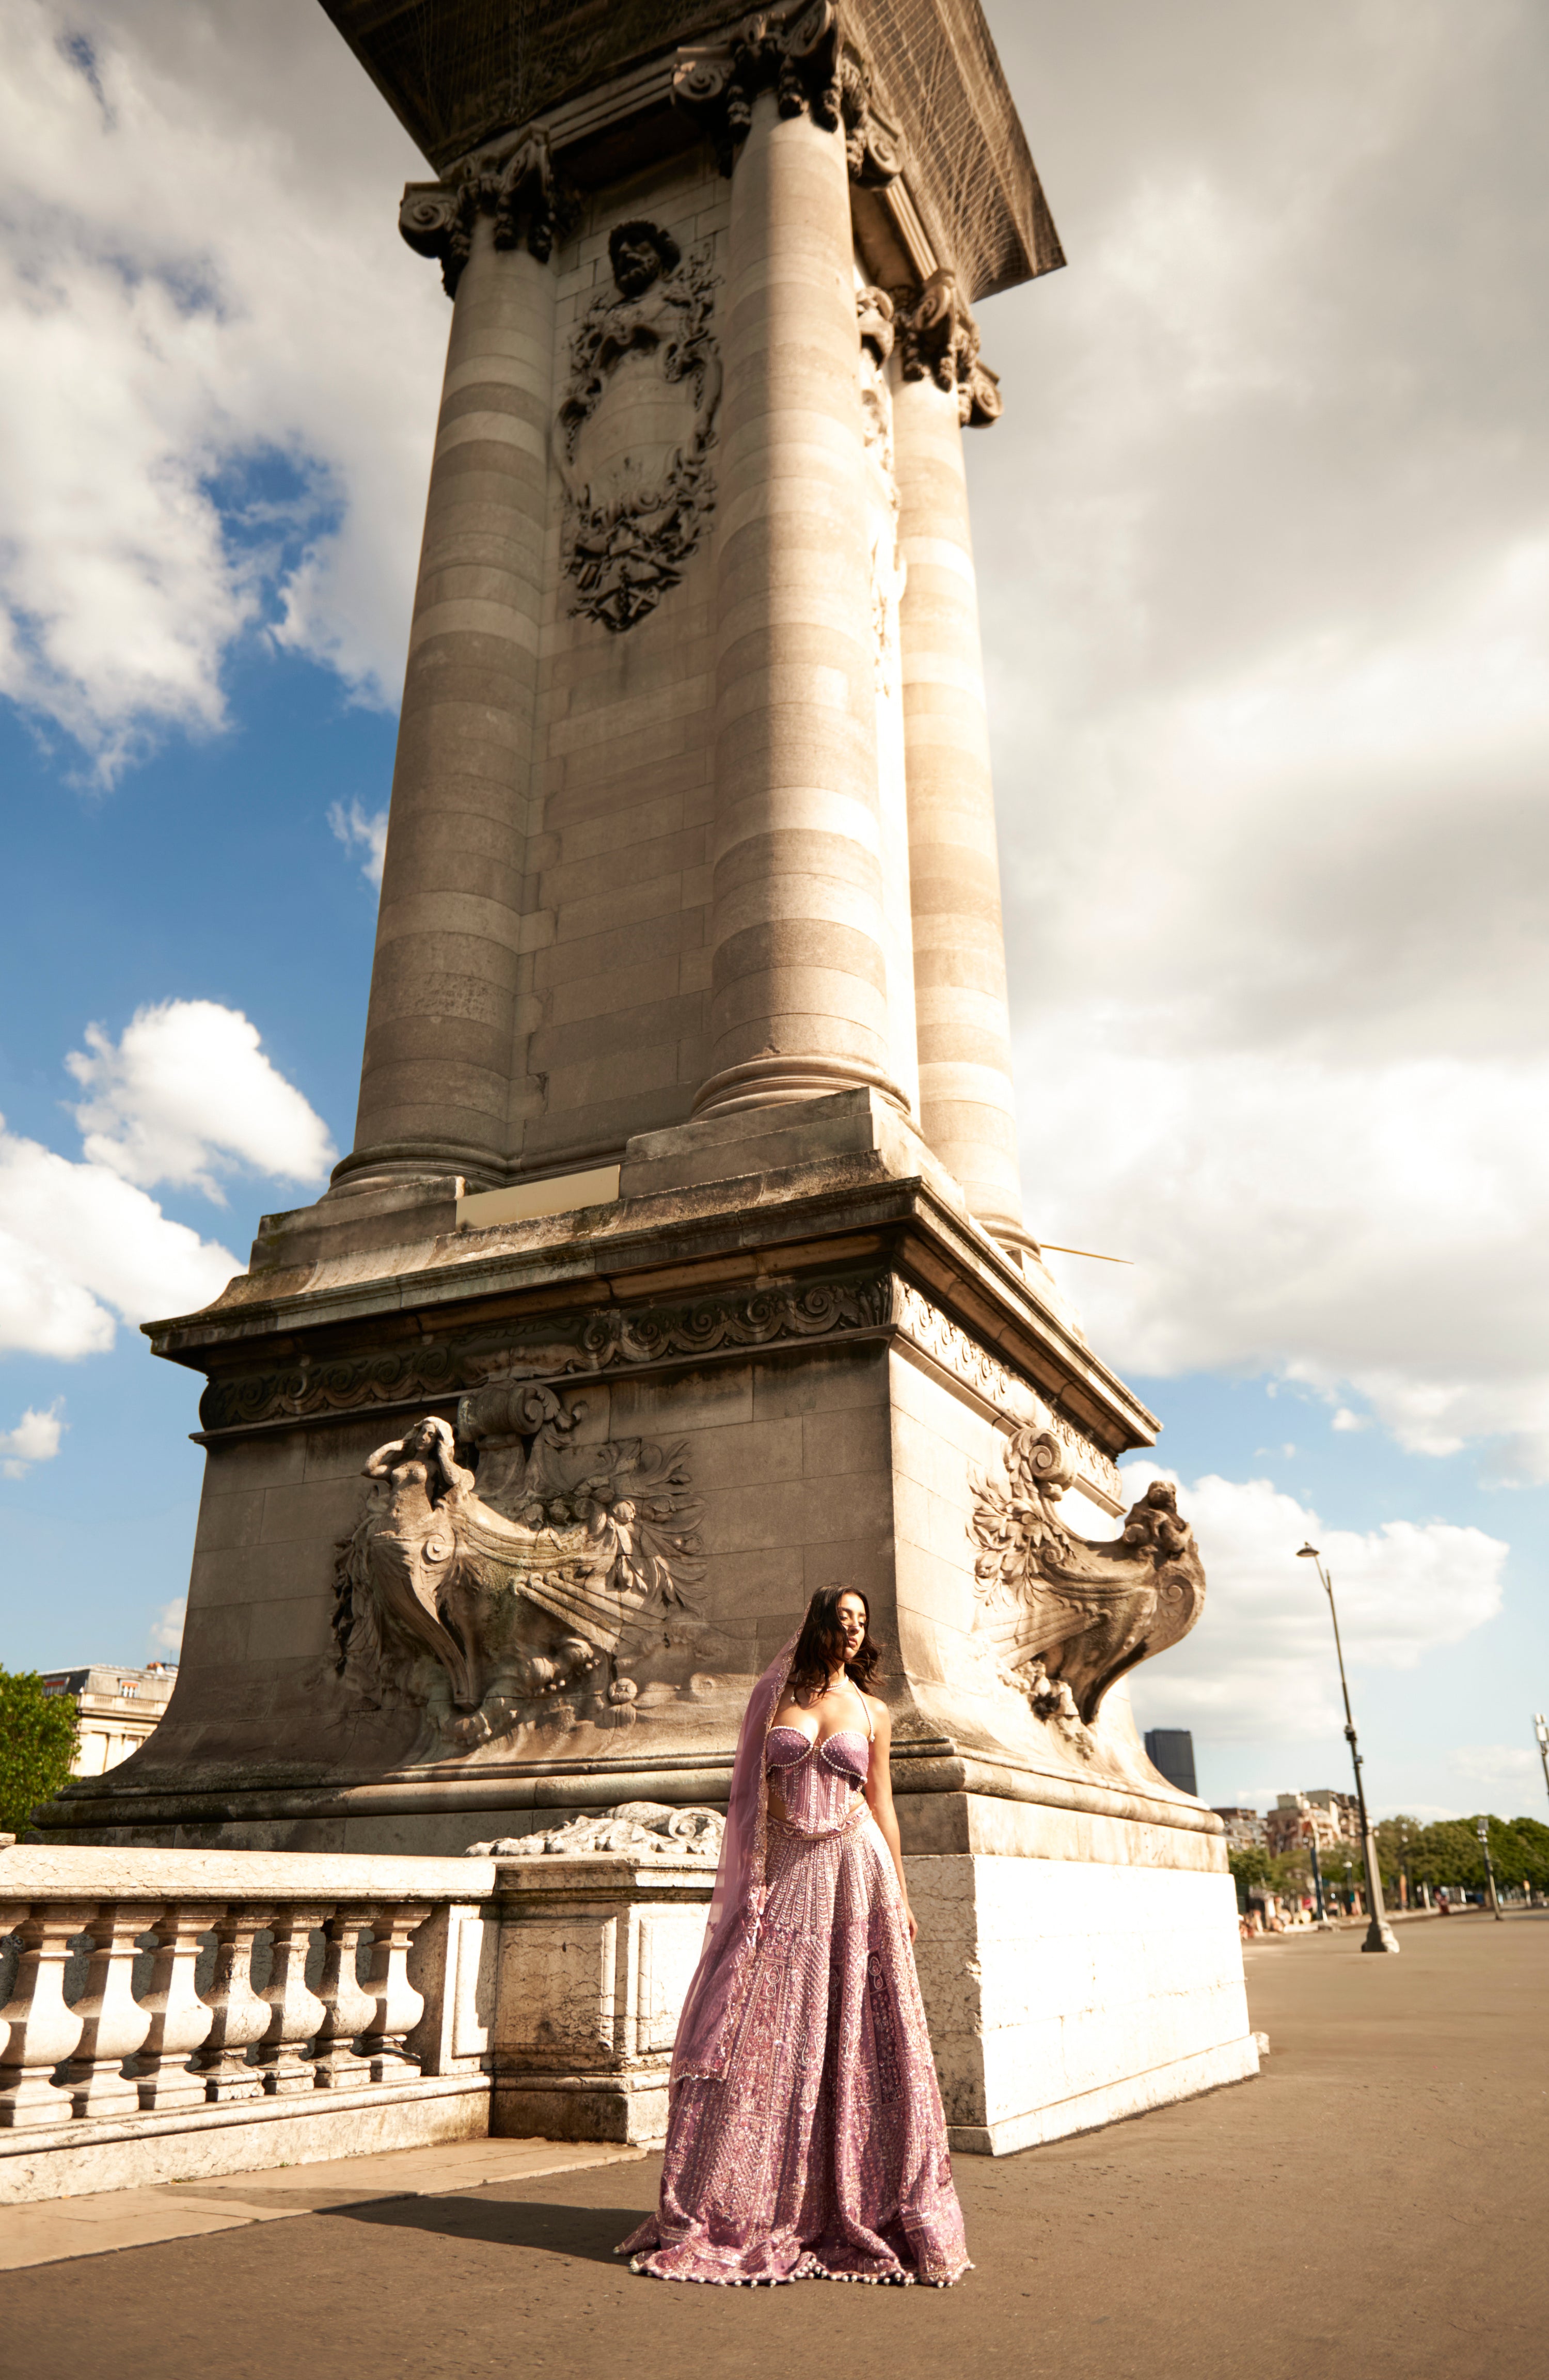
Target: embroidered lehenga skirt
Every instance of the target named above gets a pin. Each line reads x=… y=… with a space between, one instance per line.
x=820 y=2150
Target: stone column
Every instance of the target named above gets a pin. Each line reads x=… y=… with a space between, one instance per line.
x=967 y=1108
x=440 y=1029
x=799 y=1003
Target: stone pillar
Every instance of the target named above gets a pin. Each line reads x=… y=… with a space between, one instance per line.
x=439 y=1031
x=799 y=1001
x=967 y=1108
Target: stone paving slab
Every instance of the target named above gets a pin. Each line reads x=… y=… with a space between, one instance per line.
x=67 y=2228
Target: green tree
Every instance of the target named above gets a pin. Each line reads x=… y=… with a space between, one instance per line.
x=37 y=1745
x=1250 y=1864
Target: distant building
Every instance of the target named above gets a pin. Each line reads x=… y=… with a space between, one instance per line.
x=118 y=1709
x=1324 y=1819
x=1171 y=1749
x=1243 y=1828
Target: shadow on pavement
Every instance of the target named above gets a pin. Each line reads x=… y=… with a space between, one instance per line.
x=590 y=2232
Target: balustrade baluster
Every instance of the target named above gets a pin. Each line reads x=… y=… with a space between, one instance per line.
x=348 y=2011
x=180 y=2020
x=296 y=2012
x=113 y=2023
x=40 y=2028
x=398 y=2006
x=240 y=2017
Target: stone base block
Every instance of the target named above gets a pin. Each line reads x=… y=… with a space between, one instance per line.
x=133 y=2152
x=1065 y=1993
x=1235 y=2061
x=628 y=2109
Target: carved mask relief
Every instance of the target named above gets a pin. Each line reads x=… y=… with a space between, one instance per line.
x=533 y=1601
x=633 y=434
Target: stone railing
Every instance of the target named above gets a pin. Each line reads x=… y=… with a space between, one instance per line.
x=175 y=2014
x=160 y=1998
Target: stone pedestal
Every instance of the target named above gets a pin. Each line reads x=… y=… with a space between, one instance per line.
x=595 y=1959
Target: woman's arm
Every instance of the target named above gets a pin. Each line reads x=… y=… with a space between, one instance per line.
x=879 y=1796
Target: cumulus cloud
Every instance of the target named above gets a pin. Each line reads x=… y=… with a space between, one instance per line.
x=206 y=432
x=1267 y=581
x=1260 y=1666
x=167 y=1629
x=1501 y=1768
x=80 y=1245
x=360 y=829
x=34 y=1439
x=187 y=1089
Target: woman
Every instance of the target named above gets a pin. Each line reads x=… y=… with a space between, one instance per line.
x=806 y=2138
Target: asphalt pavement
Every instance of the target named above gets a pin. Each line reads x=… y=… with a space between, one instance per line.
x=1376 y=2204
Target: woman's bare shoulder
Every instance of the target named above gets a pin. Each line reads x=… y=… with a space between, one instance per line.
x=878 y=1708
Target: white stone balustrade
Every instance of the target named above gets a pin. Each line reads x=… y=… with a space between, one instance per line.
x=250 y=2006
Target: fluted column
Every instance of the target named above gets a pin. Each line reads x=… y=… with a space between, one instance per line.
x=799 y=999
x=440 y=1032
x=967 y=1107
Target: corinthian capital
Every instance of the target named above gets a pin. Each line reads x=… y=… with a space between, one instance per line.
x=938 y=340
x=798 y=53
x=513 y=181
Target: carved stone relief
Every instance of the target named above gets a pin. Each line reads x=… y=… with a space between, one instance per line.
x=636 y=1830
x=515 y=182
x=519 y=1605
x=938 y=340
x=635 y=431
x=1059 y=1617
x=798 y=53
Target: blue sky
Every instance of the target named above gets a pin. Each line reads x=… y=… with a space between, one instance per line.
x=1264 y=545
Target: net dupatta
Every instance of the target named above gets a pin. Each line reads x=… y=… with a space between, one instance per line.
x=714 y=1996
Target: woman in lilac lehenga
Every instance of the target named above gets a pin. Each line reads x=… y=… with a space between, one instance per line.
x=806 y=2138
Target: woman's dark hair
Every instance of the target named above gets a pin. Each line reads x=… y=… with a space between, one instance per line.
x=820 y=1646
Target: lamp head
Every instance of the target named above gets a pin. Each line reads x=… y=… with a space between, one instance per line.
x=1306 y=1553
x=1481 y=1830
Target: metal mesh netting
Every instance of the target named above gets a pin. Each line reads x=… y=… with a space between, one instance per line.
x=456 y=72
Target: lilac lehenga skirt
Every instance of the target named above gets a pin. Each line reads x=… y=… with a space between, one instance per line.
x=820 y=2152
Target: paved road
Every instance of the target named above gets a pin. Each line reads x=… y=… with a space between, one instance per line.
x=1376 y=2204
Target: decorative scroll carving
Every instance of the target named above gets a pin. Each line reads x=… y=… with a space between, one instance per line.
x=754 y=1321
x=515 y=182
x=800 y=54
x=938 y=340
x=940 y=1336
x=525 y=1591
x=1060 y=1617
x=550 y=1347
x=632 y=523
x=639 y=1830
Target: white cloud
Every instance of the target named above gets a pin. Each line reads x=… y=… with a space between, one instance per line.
x=34 y=1439
x=1503 y=1769
x=217 y=364
x=1260 y=1665
x=187 y=1089
x=1267 y=586
x=166 y=1631
x=356 y=828
x=184 y=1091
x=79 y=1246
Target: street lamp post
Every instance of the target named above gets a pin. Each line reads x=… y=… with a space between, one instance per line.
x=1317 y=1879
x=1541 y=1728
x=1379 y=1932
x=1483 y=1831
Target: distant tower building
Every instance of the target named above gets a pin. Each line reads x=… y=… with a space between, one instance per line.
x=1171 y=1749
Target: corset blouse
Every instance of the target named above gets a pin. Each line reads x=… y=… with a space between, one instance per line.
x=816 y=1780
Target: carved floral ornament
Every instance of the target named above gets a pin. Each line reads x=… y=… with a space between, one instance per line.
x=799 y=54
x=515 y=182
x=1059 y=1617
x=523 y=1601
x=637 y=505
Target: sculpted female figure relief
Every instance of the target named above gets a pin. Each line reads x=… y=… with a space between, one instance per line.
x=806 y=2138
